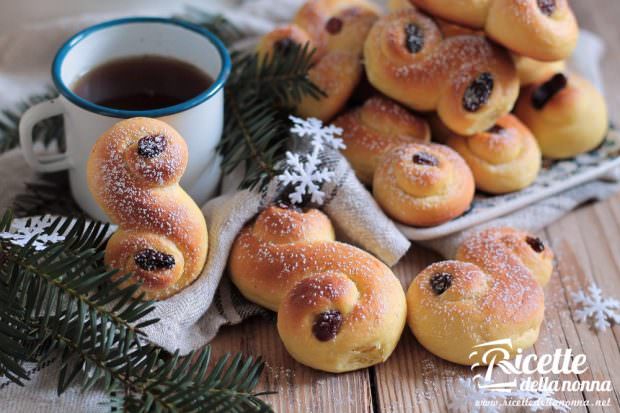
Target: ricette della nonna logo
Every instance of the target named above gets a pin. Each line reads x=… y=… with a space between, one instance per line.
x=559 y=372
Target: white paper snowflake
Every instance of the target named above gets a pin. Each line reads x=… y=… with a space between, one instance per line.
x=304 y=173
x=24 y=229
x=597 y=308
x=320 y=135
x=467 y=396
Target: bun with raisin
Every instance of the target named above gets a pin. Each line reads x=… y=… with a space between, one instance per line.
x=541 y=29
x=566 y=113
x=423 y=184
x=133 y=172
x=491 y=291
x=370 y=130
x=469 y=81
x=505 y=158
x=337 y=30
x=339 y=308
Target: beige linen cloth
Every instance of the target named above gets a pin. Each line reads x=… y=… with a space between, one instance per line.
x=191 y=318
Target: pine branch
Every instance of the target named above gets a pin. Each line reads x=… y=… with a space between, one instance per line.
x=282 y=77
x=48 y=194
x=63 y=300
x=47 y=131
x=259 y=96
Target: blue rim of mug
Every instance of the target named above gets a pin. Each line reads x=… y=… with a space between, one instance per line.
x=64 y=90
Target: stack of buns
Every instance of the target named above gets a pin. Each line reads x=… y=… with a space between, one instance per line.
x=460 y=69
x=484 y=79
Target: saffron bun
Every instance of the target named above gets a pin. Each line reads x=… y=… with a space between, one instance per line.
x=371 y=129
x=339 y=308
x=337 y=30
x=505 y=158
x=466 y=79
x=423 y=185
x=399 y=4
x=492 y=290
x=133 y=173
x=566 y=113
x=534 y=71
x=544 y=30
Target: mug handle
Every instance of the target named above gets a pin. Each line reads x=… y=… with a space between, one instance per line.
x=35 y=114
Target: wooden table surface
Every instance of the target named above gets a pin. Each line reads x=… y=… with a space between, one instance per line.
x=587 y=246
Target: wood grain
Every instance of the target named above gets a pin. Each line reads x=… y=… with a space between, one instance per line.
x=587 y=245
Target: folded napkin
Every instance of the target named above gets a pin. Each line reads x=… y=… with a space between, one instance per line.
x=189 y=321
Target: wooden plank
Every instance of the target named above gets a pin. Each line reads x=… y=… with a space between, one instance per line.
x=299 y=388
x=413 y=380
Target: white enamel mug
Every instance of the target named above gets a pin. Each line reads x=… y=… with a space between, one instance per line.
x=199 y=120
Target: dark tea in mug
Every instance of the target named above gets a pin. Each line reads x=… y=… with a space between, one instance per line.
x=142 y=83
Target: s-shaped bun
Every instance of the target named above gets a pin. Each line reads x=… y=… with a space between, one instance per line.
x=370 y=130
x=491 y=291
x=423 y=184
x=541 y=29
x=566 y=113
x=339 y=308
x=505 y=158
x=337 y=29
x=465 y=78
x=133 y=173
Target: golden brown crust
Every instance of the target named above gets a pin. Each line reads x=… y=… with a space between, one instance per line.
x=534 y=71
x=429 y=192
x=465 y=78
x=574 y=121
x=142 y=196
x=370 y=130
x=399 y=4
x=547 y=34
x=289 y=262
x=336 y=29
x=504 y=159
x=492 y=294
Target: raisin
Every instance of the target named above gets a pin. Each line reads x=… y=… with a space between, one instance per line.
x=151 y=146
x=547 y=7
x=478 y=92
x=414 y=38
x=333 y=25
x=150 y=260
x=424 y=158
x=545 y=92
x=536 y=244
x=440 y=282
x=283 y=46
x=496 y=130
x=327 y=325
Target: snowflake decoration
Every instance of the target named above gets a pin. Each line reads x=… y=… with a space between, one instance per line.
x=467 y=396
x=24 y=229
x=597 y=308
x=321 y=136
x=306 y=176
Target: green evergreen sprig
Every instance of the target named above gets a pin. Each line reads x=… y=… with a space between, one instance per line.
x=61 y=301
x=260 y=95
